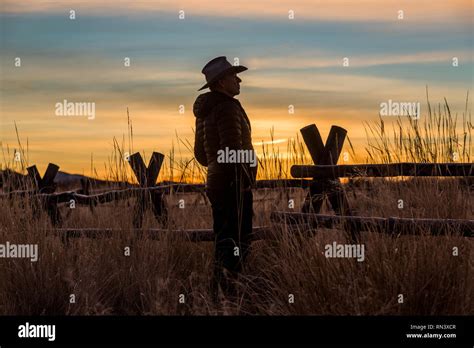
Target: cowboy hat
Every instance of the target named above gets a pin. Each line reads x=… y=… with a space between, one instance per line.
x=217 y=68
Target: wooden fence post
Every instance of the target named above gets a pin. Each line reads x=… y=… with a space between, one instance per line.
x=35 y=177
x=147 y=178
x=327 y=154
x=315 y=145
x=86 y=190
x=157 y=197
x=46 y=185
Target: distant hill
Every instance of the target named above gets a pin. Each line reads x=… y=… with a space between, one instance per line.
x=64 y=180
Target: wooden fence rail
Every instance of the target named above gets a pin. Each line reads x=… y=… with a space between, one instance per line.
x=104 y=197
x=192 y=235
x=383 y=170
x=392 y=225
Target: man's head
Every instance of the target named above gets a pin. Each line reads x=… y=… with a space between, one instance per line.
x=229 y=84
x=222 y=76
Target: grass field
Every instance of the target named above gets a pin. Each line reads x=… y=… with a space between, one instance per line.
x=433 y=279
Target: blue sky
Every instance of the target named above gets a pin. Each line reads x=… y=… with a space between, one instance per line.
x=297 y=62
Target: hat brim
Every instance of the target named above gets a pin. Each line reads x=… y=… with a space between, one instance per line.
x=235 y=69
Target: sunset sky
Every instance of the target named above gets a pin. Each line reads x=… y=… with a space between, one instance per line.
x=291 y=61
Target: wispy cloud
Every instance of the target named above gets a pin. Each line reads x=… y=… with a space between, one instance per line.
x=339 y=10
x=268 y=142
x=322 y=59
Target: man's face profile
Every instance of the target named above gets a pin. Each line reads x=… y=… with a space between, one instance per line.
x=230 y=84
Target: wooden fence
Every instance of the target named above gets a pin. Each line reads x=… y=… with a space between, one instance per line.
x=324 y=182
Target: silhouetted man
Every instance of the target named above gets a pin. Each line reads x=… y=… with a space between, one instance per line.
x=223 y=143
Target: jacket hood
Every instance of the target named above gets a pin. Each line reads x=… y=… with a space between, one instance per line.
x=207 y=101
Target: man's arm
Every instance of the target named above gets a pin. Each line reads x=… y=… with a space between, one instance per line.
x=229 y=126
x=199 y=151
x=228 y=120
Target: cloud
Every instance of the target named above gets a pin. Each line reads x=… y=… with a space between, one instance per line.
x=323 y=59
x=276 y=141
x=337 y=10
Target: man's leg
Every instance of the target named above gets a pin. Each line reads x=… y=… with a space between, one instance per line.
x=225 y=229
x=235 y=242
x=215 y=197
x=230 y=225
x=246 y=227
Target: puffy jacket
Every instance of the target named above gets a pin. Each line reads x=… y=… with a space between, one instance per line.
x=221 y=122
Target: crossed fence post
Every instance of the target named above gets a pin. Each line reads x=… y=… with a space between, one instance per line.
x=46 y=185
x=327 y=154
x=146 y=177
